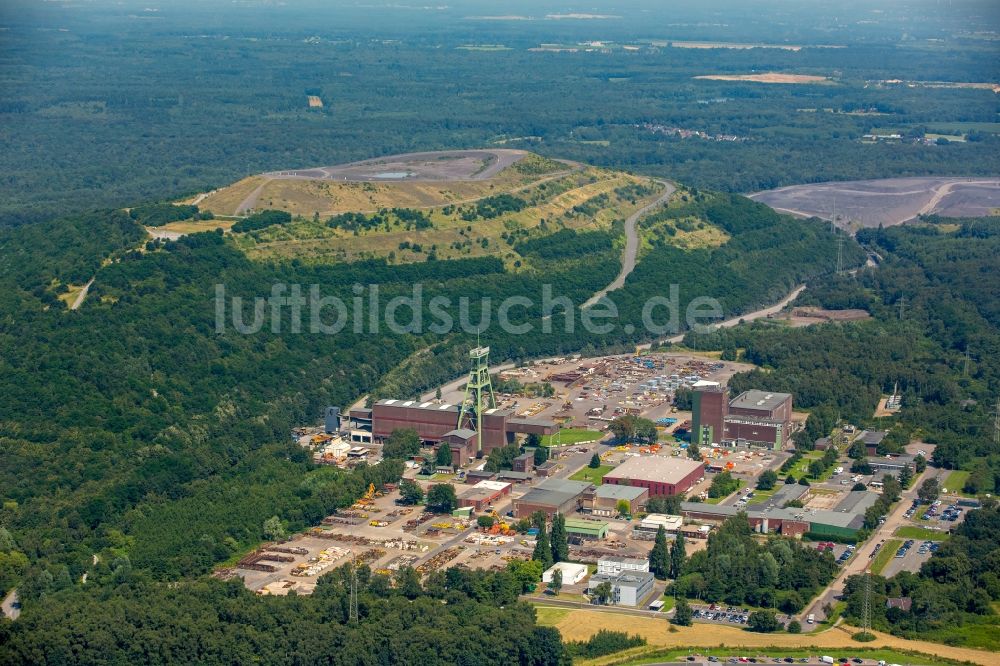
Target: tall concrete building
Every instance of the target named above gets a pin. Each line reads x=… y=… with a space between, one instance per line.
x=754 y=418
x=709 y=405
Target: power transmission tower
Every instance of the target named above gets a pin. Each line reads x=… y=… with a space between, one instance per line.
x=352 y=613
x=902 y=305
x=840 y=254
x=866 y=608
x=966 y=370
x=996 y=425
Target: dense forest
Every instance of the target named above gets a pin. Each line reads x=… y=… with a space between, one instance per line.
x=86 y=124
x=454 y=617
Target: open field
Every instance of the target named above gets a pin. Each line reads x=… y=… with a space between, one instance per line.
x=572 y=436
x=767 y=77
x=956 y=481
x=582 y=624
x=869 y=203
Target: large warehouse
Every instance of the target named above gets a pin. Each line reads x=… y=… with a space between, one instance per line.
x=550 y=497
x=436 y=422
x=755 y=418
x=660 y=475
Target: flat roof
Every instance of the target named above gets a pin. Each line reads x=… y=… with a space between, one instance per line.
x=581 y=522
x=857 y=501
x=463 y=433
x=554 y=492
x=509 y=474
x=754 y=399
x=660 y=469
x=899 y=460
x=412 y=404
x=521 y=421
x=634 y=579
x=872 y=436
x=623 y=560
x=616 y=492
x=491 y=485
x=849 y=520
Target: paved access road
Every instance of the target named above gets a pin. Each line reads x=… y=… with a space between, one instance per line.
x=631 y=244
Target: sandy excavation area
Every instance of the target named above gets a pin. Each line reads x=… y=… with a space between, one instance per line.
x=767 y=77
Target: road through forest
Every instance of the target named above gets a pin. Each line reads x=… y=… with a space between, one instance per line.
x=631 y=244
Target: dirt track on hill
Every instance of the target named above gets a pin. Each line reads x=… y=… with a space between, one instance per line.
x=631 y=244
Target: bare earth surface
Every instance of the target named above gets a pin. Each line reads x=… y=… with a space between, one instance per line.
x=766 y=77
x=869 y=203
x=428 y=167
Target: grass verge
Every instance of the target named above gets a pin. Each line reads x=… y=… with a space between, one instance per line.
x=887 y=553
x=911 y=532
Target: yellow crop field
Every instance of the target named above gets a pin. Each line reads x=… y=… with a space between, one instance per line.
x=582 y=624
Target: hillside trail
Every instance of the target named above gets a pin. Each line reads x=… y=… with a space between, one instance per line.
x=631 y=250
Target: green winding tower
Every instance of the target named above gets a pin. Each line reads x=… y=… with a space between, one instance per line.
x=478 y=394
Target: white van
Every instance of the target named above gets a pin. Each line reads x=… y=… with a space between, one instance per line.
x=811 y=618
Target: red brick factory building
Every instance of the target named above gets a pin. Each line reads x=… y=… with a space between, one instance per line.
x=661 y=475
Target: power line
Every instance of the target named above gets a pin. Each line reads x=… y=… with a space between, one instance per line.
x=352 y=613
x=996 y=425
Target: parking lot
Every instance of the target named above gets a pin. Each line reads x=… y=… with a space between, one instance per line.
x=909 y=556
x=819 y=659
x=731 y=615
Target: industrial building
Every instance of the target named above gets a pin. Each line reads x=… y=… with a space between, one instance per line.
x=572 y=573
x=871 y=439
x=891 y=465
x=524 y=462
x=472 y=428
x=612 y=566
x=627 y=589
x=754 y=418
x=660 y=475
x=437 y=422
x=551 y=496
x=578 y=530
x=603 y=500
x=846 y=520
x=654 y=521
x=484 y=494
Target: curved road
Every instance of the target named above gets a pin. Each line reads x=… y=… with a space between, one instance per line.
x=631 y=244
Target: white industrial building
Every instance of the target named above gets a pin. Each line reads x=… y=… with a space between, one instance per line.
x=670 y=524
x=612 y=566
x=572 y=573
x=627 y=589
